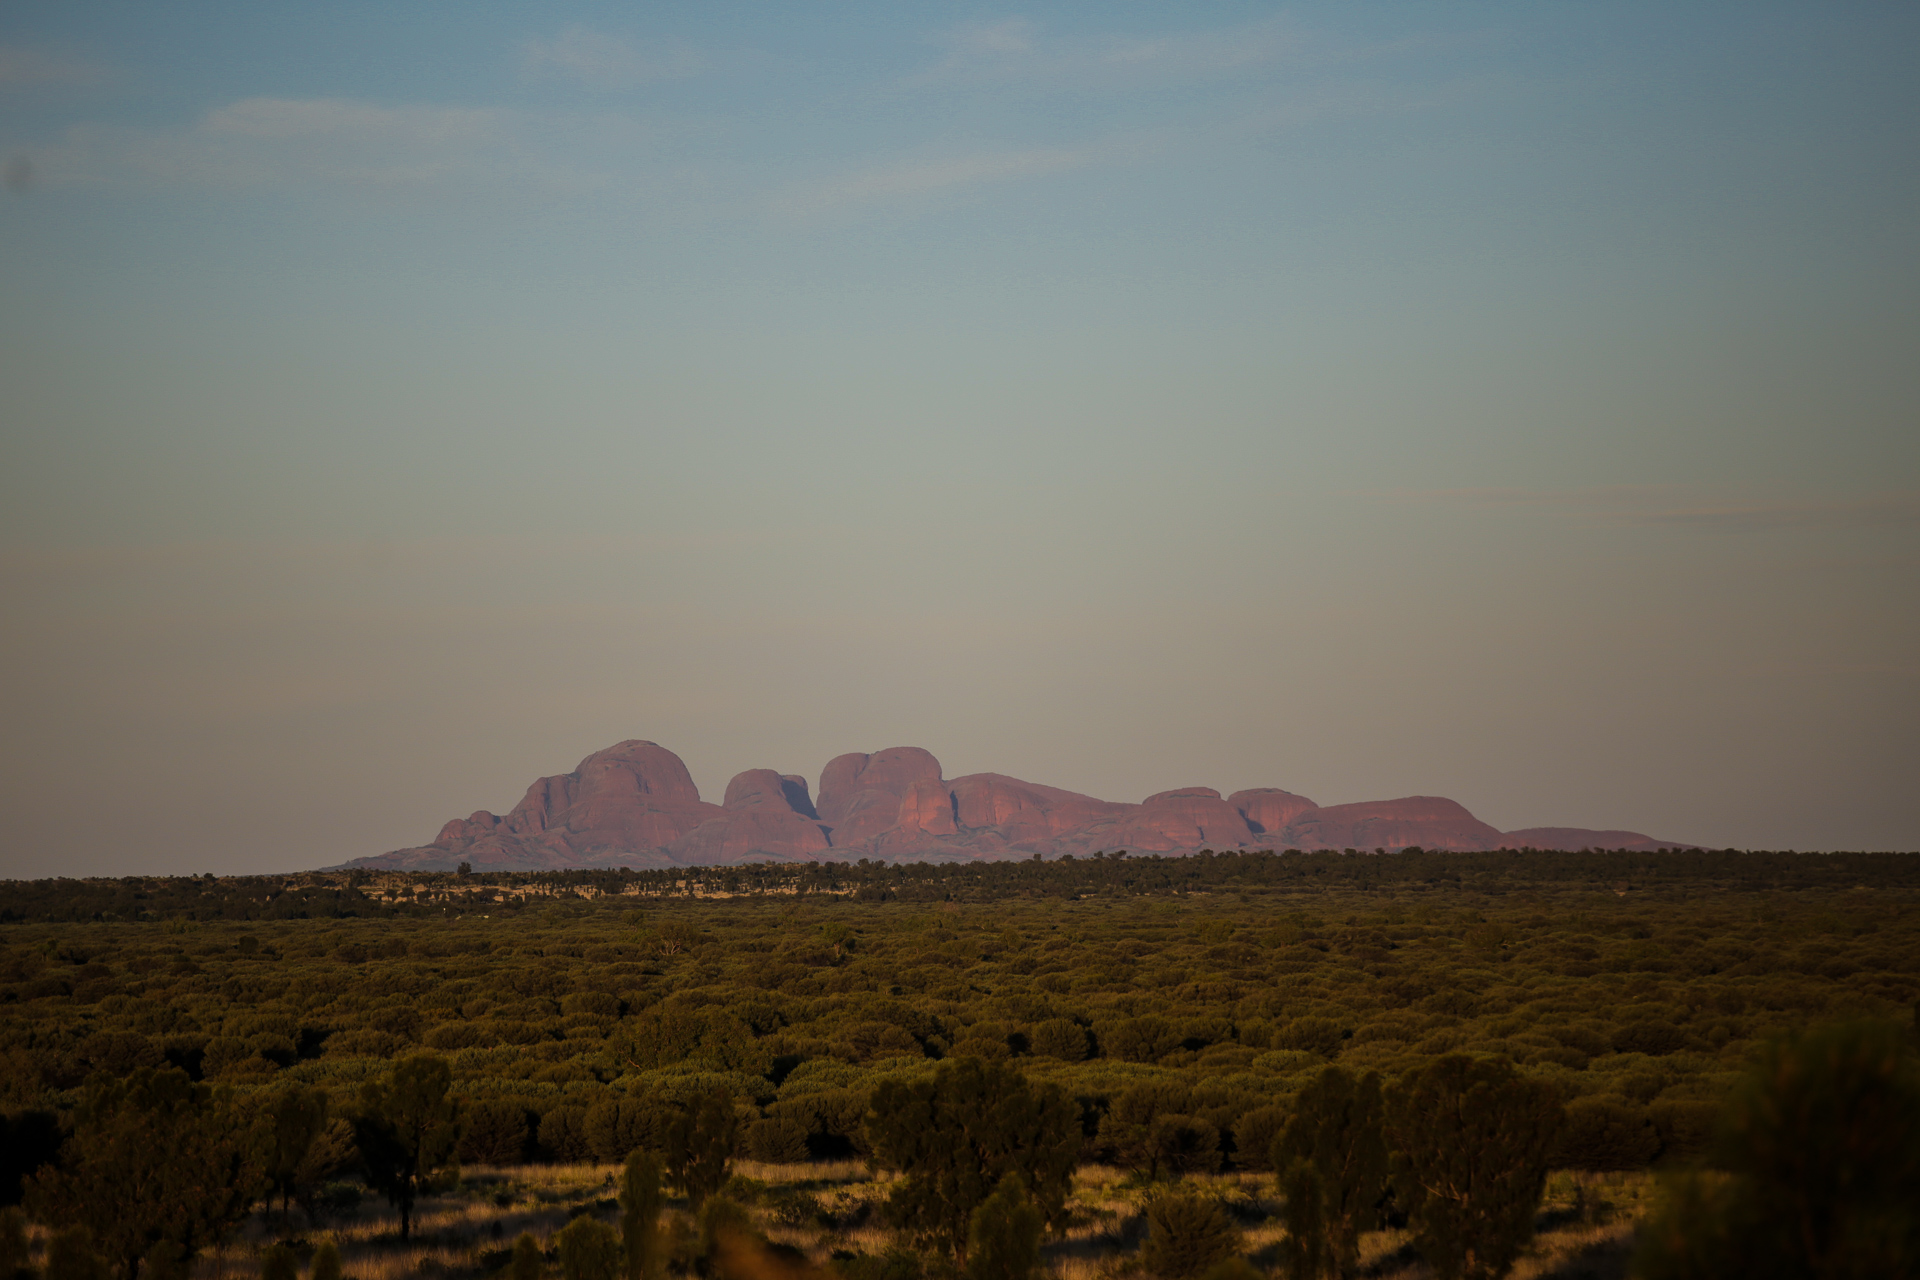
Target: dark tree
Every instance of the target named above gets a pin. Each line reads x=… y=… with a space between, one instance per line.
x=640 y=1216
x=700 y=1146
x=1304 y=1250
x=156 y=1167
x=958 y=1134
x=1471 y=1138
x=13 y=1244
x=29 y=1140
x=291 y=1122
x=1602 y=1135
x=71 y=1256
x=1819 y=1169
x=527 y=1261
x=494 y=1132
x=1003 y=1235
x=1187 y=1235
x=1184 y=1144
x=326 y=1262
x=406 y=1130
x=564 y=1136
x=279 y=1263
x=1336 y=1130
x=589 y=1250
x=616 y=1127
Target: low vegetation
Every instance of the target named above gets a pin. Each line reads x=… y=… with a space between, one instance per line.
x=1211 y=1067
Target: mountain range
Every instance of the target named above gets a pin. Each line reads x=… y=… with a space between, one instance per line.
x=635 y=805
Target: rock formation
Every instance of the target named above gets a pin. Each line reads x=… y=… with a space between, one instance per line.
x=1428 y=821
x=634 y=804
x=1269 y=809
x=765 y=816
x=1573 y=839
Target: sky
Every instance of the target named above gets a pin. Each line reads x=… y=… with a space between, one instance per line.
x=1515 y=402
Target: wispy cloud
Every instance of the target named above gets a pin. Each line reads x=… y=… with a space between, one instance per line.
x=910 y=179
x=22 y=67
x=1679 y=505
x=603 y=61
x=1016 y=49
x=350 y=145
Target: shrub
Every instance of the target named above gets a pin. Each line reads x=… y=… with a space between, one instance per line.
x=70 y=1256
x=563 y=1134
x=589 y=1250
x=1603 y=1135
x=1058 y=1038
x=1821 y=1151
x=1003 y=1235
x=957 y=1135
x=700 y=1145
x=1139 y=1039
x=279 y=1264
x=1254 y=1133
x=1187 y=1235
x=1472 y=1139
x=616 y=1126
x=527 y=1263
x=777 y=1140
x=640 y=1217
x=1184 y=1144
x=496 y=1133
x=1323 y=1036
x=1336 y=1134
x=13 y=1244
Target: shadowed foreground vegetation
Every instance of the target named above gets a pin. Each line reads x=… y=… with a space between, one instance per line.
x=1218 y=1066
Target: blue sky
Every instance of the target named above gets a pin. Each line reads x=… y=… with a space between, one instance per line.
x=1510 y=402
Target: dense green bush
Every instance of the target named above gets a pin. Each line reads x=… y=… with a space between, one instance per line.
x=1164 y=1000
x=1187 y=1235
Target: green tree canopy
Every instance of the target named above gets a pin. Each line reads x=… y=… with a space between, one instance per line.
x=700 y=1145
x=1471 y=1138
x=1003 y=1235
x=156 y=1163
x=291 y=1121
x=1187 y=1235
x=406 y=1129
x=958 y=1134
x=640 y=1217
x=1818 y=1169
x=1336 y=1130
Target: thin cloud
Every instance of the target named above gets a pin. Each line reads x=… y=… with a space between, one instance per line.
x=27 y=68
x=352 y=145
x=1675 y=505
x=918 y=178
x=1015 y=49
x=355 y=123
x=603 y=61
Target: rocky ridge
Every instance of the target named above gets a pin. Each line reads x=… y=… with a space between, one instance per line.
x=635 y=805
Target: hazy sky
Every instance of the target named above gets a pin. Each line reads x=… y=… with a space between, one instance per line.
x=1513 y=402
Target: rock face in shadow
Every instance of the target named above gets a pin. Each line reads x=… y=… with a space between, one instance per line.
x=1432 y=822
x=1269 y=809
x=765 y=817
x=634 y=804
